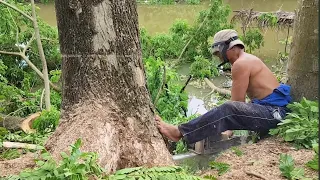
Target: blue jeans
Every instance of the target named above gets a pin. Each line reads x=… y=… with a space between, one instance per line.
x=232 y=115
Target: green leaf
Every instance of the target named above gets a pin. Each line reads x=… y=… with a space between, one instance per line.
x=64 y=155
x=297 y=173
x=120 y=176
x=313 y=164
x=315 y=109
x=68 y=174
x=127 y=170
x=40 y=163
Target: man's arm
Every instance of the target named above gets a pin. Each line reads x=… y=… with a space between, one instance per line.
x=240 y=81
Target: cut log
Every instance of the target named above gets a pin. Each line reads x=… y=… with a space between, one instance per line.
x=19 y=145
x=14 y=123
x=217 y=89
x=26 y=124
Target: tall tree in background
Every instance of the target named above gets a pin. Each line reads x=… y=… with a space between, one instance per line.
x=303 y=65
x=105 y=100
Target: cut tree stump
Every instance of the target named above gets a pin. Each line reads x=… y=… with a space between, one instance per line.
x=14 y=123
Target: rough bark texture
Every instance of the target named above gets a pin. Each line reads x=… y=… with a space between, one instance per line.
x=105 y=100
x=303 y=60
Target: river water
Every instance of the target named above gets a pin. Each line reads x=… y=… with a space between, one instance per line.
x=159 y=18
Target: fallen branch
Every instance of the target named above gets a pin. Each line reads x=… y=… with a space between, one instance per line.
x=217 y=89
x=185 y=47
x=42 y=57
x=256 y=175
x=24 y=57
x=17 y=145
x=41 y=53
x=16 y=9
x=186 y=84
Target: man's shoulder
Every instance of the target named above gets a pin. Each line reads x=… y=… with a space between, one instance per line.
x=248 y=59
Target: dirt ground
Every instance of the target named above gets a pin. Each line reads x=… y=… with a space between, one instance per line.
x=15 y=166
x=262 y=159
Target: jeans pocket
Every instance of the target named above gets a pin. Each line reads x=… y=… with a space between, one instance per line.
x=276 y=113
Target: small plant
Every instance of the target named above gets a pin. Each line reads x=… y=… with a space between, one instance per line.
x=47 y=120
x=237 y=151
x=78 y=165
x=314 y=163
x=288 y=170
x=301 y=124
x=6 y=154
x=220 y=167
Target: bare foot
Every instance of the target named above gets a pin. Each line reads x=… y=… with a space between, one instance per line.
x=226 y=134
x=168 y=130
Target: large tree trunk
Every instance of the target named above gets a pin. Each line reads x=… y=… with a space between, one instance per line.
x=105 y=100
x=303 y=60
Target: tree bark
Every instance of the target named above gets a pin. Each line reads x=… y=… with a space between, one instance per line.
x=303 y=65
x=105 y=101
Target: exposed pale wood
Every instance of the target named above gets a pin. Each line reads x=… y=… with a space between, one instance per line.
x=217 y=89
x=26 y=124
x=19 y=145
x=42 y=57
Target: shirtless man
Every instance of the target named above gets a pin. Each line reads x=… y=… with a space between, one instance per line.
x=250 y=77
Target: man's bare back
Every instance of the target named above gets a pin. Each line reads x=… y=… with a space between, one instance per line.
x=261 y=81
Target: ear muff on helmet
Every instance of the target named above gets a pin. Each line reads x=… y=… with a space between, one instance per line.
x=223 y=47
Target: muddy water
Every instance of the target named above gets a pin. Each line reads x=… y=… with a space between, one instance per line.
x=159 y=18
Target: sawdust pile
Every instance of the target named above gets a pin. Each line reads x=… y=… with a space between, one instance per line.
x=262 y=158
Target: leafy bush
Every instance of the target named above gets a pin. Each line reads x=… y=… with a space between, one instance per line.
x=208 y=22
x=171 y=103
x=169 y=46
x=301 y=124
x=203 y=68
x=47 y=120
x=253 y=39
